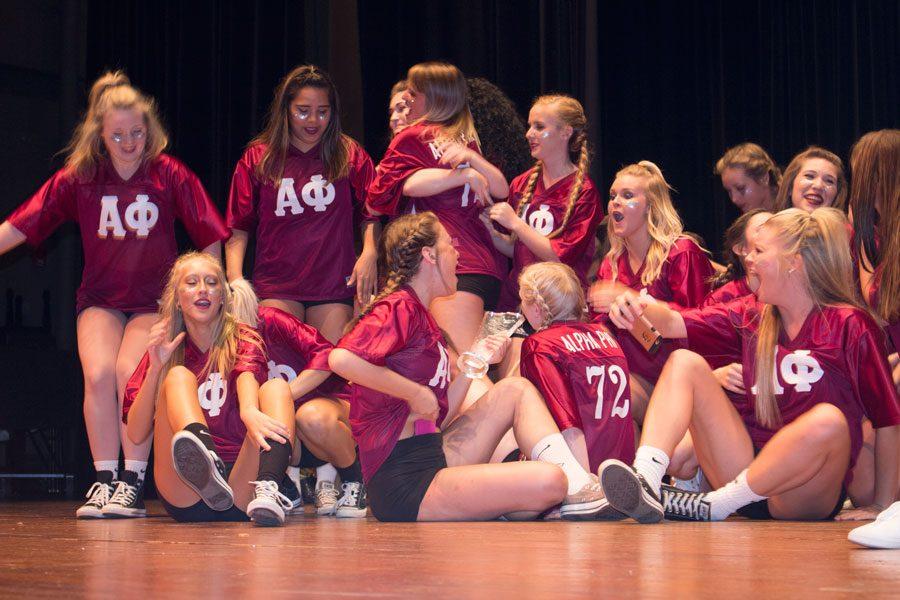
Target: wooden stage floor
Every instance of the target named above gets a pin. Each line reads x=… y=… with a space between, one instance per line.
x=45 y=551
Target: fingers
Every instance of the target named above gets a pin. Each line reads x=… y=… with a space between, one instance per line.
x=174 y=343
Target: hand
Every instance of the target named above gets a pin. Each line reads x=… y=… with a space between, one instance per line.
x=503 y=213
x=866 y=513
x=627 y=308
x=602 y=294
x=493 y=347
x=261 y=426
x=365 y=276
x=454 y=154
x=159 y=347
x=478 y=184
x=731 y=377
x=425 y=403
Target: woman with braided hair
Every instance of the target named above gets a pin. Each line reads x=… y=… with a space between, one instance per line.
x=421 y=459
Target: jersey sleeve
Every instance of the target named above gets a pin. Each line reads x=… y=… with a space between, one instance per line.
x=870 y=376
x=379 y=334
x=714 y=331
x=251 y=358
x=134 y=385
x=305 y=341
x=579 y=233
x=547 y=376
x=194 y=208
x=403 y=157
x=361 y=175
x=49 y=207
x=243 y=196
x=688 y=277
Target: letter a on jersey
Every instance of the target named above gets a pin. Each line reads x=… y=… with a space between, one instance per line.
x=287 y=198
x=109 y=218
x=443 y=370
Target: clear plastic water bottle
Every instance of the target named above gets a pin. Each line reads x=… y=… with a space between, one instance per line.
x=474 y=362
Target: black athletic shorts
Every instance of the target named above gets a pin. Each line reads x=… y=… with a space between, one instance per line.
x=523 y=331
x=397 y=488
x=486 y=287
x=201 y=513
x=307 y=304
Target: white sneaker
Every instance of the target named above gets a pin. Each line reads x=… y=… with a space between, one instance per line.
x=694 y=484
x=98 y=496
x=883 y=532
x=326 y=498
x=352 y=502
x=269 y=506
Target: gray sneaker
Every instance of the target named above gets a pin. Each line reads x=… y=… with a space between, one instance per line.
x=326 y=498
x=589 y=504
x=630 y=493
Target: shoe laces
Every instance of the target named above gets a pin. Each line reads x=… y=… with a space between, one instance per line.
x=692 y=505
x=326 y=493
x=269 y=489
x=98 y=493
x=351 y=494
x=124 y=495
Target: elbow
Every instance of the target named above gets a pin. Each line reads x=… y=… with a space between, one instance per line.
x=338 y=361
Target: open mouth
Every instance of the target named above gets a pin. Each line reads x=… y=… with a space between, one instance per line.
x=202 y=303
x=815 y=200
x=311 y=130
x=617 y=216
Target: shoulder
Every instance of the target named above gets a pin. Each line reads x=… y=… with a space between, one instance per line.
x=254 y=152
x=853 y=322
x=413 y=135
x=685 y=246
x=519 y=182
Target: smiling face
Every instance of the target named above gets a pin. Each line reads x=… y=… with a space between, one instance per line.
x=200 y=293
x=309 y=117
x=628 y=205
x=548 y=136
x=397 y=111
x=815 y=185
x=124 y=134
x=766 y=261
x=745 y=192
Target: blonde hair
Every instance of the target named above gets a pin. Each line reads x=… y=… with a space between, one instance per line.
x=663 y=223
x=783 y=200
x=112 y=91
x=445 y=91
x=876 y=180
x=227 y=331
x=820 y=239
x=570 y=112
x=244 y=302
x=754 y=161
x=555 y=289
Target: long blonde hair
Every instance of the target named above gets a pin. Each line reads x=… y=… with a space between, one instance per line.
x=555 y=289
x=570 y=112
x=227 y=333
x=820 y=239
x=112 y=91
x=445 y=91
x=784 y=200
x=663 y=223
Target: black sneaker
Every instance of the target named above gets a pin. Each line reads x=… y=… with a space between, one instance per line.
x=127 y=499
x=202 y=470
x=289 y=490
x=629 y=493
x=352 y=503
x=98 y=495
x=681 y=505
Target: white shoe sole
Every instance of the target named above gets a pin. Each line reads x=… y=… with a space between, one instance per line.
x=870 y=537
x=325 y=511
x=121 y=512
x=197 y=469
x=265 y=515
x=600 y=510
x=625 y=493
x=351 y=513
x=89 y=512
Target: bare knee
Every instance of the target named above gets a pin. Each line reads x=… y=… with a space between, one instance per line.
x=179 y=375
x=553 y=485
x=825 y=424
x=314 y=422
x=685 y=360
x=516 y=389
x=275 y=390
x=99 y=377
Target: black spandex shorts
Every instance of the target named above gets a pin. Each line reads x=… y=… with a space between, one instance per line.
x=397 y=488
x=523 y=331
x=310 y=303
x=486 y=287
x=201 y=513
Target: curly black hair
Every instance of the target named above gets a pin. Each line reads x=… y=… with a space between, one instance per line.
x=500 y=128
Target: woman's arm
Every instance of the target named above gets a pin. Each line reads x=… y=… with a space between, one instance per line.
x=139 y=424
x=504 y=214
x=10 y=237
x=307 y=381
x=365 y=270
x=235 y=250
x=429 y=182
x=630 y=305
x=259 y=425
x=456 y=154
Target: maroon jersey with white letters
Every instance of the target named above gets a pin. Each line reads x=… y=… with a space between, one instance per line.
x=736 y=288
x=837 y=357
x=574 y=246
x=216 y=393
x=583 y=375
x=127 y=227
x=304 y=225
x=682 y=283
x=292 y=347
x=399 y=333
x=414 y=149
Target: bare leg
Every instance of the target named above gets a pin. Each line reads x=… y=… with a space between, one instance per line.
x=862 y=488
x=100 y=332
x=575 y=440
x=641 y=390
x=509 y=366
x=289 y=306
x=330 y=319
x=460 y=317
x=134 y=344
x=323 y=427
x=684 y=463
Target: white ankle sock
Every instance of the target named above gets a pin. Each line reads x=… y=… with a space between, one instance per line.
x=652 y=464
x=553 y=449
x=108 y=465
x=294 y=473
x=731 y=497
x=137 y=466
x=326 y=472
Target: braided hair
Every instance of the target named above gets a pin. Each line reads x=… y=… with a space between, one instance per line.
x=400 y=254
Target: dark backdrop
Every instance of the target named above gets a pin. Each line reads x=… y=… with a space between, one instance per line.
x=673 y=82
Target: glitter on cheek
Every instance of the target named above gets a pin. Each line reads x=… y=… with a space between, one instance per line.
x=631 y=204
x=545 y=134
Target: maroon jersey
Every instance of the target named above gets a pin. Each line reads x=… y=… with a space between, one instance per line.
x=682 y=283
x=399 y=333
x=304 y=225
x=583 y=375
x=292 y=347
x=127 y=227
x=736 y=288
x=414 y=149
x=838 y=357
x=574 y=246
x=216 y=393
